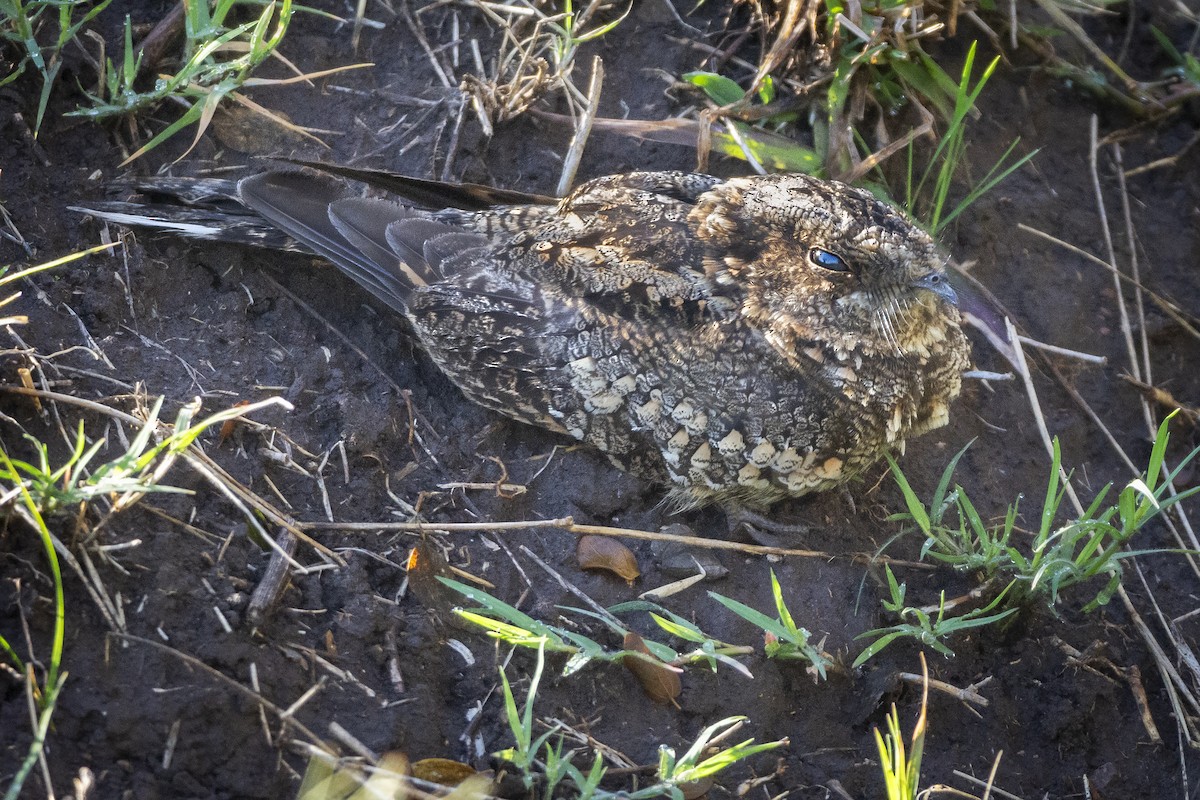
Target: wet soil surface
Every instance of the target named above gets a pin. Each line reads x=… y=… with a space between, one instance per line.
x=376 y=430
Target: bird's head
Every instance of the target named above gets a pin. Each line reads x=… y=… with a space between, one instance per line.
x=806 y=260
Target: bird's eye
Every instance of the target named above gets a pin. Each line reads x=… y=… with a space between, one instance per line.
x=828 y=260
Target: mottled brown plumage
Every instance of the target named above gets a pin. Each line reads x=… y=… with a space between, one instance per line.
x=740 y=340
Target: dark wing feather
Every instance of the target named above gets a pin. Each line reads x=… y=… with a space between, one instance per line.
x=365 y=223
x=493 y=343
x=431 y=194
x=408 y=237
x=300 y=205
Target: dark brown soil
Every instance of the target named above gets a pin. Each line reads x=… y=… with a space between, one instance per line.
x=183 y=320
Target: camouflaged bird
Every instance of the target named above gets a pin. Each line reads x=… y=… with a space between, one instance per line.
x=740 y=341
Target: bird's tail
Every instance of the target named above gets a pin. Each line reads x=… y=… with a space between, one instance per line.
x=386 y=247
x=195 y=208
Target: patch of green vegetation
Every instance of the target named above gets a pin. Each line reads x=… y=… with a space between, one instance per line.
x=1058 y=557
x=946 y=162
x=542 y=761
x=526 y=747
x=69 y=488
x=217 y=60
x=34 y=490
x=22 y=498
x=514 y=627
x=926 y=190
x=1092 y=546
x=75 y=483
x=785 y=640
x=567 y=36
x=902 y=766
x=22 y=22
x=536 y=57
x=872 y=58
x=1187 y=66
x=44 y=694
x=876 y=57
x=918 y=624
x=675 y=773
x=764 y=142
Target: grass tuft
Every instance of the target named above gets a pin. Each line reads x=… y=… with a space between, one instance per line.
x=902 y=766
x=217 y=60
x=784 y=639
x=949 y=155
x=514 y=627
x=45 y=694
x=927 y=629
x=1058 y=557
x=21 y=25
x=675 y=774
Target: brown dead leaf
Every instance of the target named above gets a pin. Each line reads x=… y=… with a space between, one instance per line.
x=659 y=680
x=228 y=426
x=693 y=790
x=442 y=771
x=425 y=565
x=245 y=131
x=605 y=552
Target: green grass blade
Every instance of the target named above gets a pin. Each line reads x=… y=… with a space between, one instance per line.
x=939 y=494
x=915 y=508
x=785 y=616
x=875 y=647
x=720 y=90
x=753 y=616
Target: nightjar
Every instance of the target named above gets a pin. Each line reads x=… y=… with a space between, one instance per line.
x=738 y=340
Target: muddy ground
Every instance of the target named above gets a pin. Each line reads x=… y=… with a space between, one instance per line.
x=227 y=325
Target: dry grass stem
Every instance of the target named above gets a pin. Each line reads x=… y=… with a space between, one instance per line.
x=508 y=490
x=569 y=525
x=968 y=695
x=206 y=536
x=611 y=754
x=1063 y=351
x=400 y=391
x=1038 y=417
x=31 y=704
x=1177 y=689
x=1162 y=397
x=241 y=497
x=989 y=786
x=1174 y=684
x=732 y=129
x=95 y=589
x=583 y=129
x=1122 y=311
x=418 y=31
x=1143 y=372
x=1177 y=314
x=1060 y=18
x=270 y=588
x=1135 y=272
x=558 y=578
x=1169 y=161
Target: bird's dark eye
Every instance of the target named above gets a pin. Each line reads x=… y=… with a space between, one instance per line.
x=827 y=260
